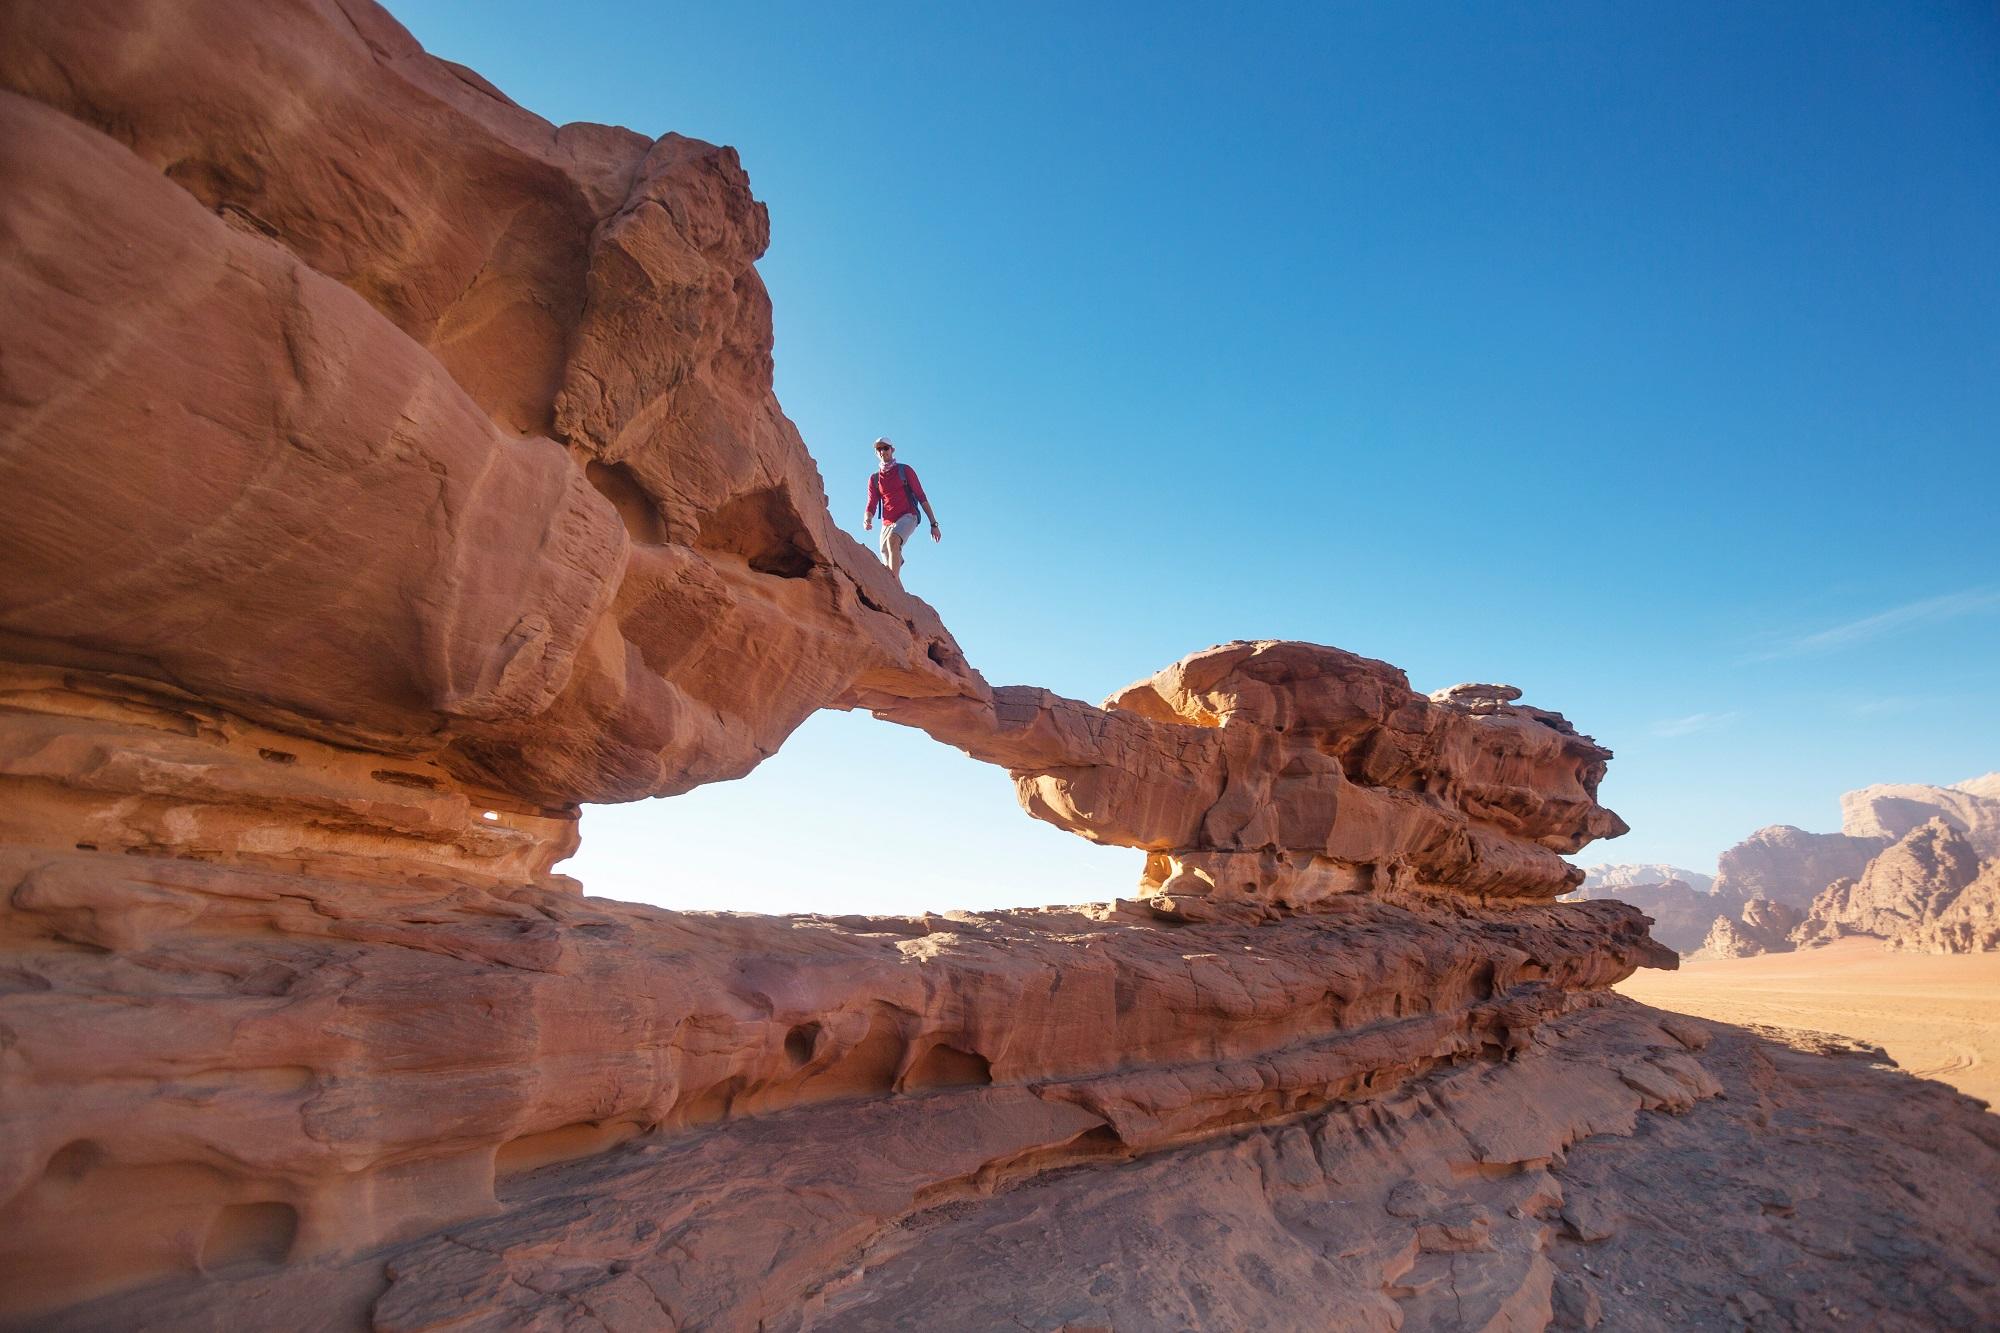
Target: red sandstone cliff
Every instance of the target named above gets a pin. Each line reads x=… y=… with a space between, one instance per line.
x=392 y=471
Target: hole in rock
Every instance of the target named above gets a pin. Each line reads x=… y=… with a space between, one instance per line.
x=945 y=1066
x=638 y=511
x=243 y=1233
x=852 y=816
x=800 y=1043
x=865 y=1069
x=86 y=847
x=583 y=1139
x=710 y=1104
x=73 y=1161
x=397 y=778
x=763 y=528
x=278 y=756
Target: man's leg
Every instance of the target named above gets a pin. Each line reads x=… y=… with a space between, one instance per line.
x=892 y=541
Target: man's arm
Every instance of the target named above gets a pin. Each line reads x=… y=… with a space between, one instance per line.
x=924 y=503
x=874 y=498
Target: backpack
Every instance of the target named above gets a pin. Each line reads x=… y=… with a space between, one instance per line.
x=903 y=475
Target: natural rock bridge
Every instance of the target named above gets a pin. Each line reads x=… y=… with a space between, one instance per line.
x=392 y=472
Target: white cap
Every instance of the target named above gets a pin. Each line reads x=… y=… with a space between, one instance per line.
x=883 y=439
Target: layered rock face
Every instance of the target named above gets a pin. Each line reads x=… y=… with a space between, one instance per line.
x=365 y=404
x=394 y=471
x=222 y=1067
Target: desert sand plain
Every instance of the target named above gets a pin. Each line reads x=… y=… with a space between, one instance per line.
x=1937 y=1015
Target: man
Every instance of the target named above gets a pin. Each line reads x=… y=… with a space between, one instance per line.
x=895 y=490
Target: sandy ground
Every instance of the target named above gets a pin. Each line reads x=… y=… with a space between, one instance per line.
x=1937 y=1016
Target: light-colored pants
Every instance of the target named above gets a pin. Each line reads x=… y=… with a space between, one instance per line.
x=895 y=534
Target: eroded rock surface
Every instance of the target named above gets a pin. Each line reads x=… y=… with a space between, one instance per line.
x=365 y=1062
x=392 y=471
x=1624 y=1169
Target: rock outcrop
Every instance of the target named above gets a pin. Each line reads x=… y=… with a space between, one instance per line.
x=1968 y=923
x=275 y=335
x=1762 y=927
x=393 y=471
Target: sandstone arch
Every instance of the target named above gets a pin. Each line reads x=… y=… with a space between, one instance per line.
x=390 y=472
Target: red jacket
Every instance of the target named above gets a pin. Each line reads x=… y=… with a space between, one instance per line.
x=887 y=490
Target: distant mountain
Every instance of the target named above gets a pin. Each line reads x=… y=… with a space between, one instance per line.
x=1913 y=864
x=1790 y=865
x=1989 y=785
x=1682 y=915
x=1929 y=891
x=1622 y=876
x=1894 y=809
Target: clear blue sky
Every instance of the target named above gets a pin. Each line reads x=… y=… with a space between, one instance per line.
x=1644 y=355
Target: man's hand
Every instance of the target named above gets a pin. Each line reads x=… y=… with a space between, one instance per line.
x=868 y=524
x=936 y=535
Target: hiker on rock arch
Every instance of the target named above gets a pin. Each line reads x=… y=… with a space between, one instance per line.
x=895 y=490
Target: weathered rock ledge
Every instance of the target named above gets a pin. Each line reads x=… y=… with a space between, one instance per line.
x=237 y=1064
